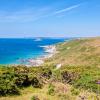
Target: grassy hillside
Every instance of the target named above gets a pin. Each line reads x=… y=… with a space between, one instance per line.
x=78 y=52
x=77 y=79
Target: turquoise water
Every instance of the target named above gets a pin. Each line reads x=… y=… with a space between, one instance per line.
x=13 y=51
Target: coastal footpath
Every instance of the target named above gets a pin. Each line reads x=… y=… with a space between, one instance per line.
x=72 y=73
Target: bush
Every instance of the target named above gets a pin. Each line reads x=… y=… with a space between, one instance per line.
x=13 y=78
x=7 y=85
x=74 y=91
x=68 y=77
x=22 y=80
x=36 y=82
x=87 y=81
x=51 y=90
x=46 y=73
x=35 y=98
x=65 y=97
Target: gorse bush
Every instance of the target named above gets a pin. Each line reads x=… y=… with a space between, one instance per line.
x=46 y=73
x=7 y=84
x=12 y=79
x=88 y=81
x=75 y=91
x=36 y=82
x=35 y=98
x=22 y=80
x=51 y=89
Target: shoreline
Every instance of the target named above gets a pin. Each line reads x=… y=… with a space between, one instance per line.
x=49 y=50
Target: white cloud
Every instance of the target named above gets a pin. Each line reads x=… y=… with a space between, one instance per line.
x=32 y=14
x=24 y=15
x=67 y=9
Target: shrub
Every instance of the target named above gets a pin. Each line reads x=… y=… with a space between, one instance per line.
x=22 y=80
x=36 y=82
x=46 y=73
x=74 y=91
x=65 y=97
x=35 y=98
x=87 y=81
x=68 y=77
x=51 y=89
x=7 y=85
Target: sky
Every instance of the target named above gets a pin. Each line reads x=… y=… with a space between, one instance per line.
x=49 y=18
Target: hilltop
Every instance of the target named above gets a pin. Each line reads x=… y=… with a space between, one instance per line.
x=85 y=51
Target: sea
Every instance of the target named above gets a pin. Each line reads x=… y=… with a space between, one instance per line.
x=15 y=50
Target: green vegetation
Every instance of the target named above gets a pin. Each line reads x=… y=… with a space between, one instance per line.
x=74 y=91
x=35 y=98
x=82 y=77
x=80 y=71
x=51 y=89
x=14 y=78
x=79 y=52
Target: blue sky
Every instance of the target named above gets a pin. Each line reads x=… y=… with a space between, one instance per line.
x=49 y=18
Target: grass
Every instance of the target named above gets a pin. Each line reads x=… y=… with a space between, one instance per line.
x=78 y=52
x=62 y=92
x=75 y=80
